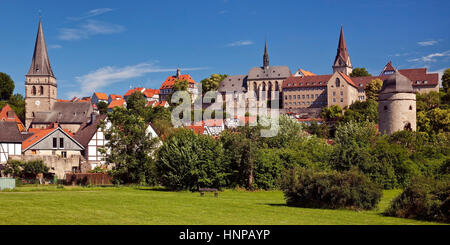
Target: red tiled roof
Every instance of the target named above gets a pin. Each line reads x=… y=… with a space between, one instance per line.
x=101 y=96
x=131 y=91
x=115 y=96
x=197 y=129
x=39 y=134
x=416 y=74
x=12 y=115
x=170 y=81
x=307 y=81
x=348 y=79
x=306 y=73
x=116 y=103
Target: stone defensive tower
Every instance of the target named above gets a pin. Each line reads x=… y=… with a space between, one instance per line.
x=40 y=85
x=397 y=105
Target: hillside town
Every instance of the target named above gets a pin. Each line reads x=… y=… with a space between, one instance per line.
x=66 y=134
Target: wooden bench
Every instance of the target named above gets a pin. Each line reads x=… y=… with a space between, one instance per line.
x=203 y=190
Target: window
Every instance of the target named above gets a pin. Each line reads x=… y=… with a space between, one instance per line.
x=410 y=107
x=41 y=90
x=385 y=108
x=334 y=99
x=303 y=96
x=61 y=143
x=342 y=99
x=64 y=154
x=33 y=90
x=338 y=83
x=342 y=93
x=55 y=143
x=334 y=93
x=307 y=96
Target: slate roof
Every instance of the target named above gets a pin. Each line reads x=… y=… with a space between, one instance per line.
x=65 y=112
x=9 y=132
x=87 y=130
x=272 y=72
x=41 y=62
x=236 y=83
x=397 y=83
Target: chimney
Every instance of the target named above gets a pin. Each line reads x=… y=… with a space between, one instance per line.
x=93 y=117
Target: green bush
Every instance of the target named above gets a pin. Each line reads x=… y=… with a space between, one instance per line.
x=425 y=199
x=317 y=189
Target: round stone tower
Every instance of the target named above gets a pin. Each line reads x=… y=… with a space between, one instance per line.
x=397 y=105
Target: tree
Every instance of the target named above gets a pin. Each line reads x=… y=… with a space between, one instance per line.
x=446 y=80
x=136 y=104
x=427 y=101
x=6 y=86
x=32 y=168
x=17 y=103
x=360 y=72
x=331 y=113
x=102 y=107
x=188 y=161
x=373 y=88
x=361 y=111
x=180 y=85
x=212 y=83
x=129 y=148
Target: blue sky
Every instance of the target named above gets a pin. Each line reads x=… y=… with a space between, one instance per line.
x=110 y=45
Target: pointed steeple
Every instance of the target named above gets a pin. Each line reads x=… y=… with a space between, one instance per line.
x=41 y=62
x=266 y=56
x=342 y=61
x=342 y=47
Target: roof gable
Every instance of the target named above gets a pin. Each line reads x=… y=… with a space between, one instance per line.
x=170 y=81
x=40 y=135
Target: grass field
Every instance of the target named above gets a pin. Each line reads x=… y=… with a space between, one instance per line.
x=139 y=206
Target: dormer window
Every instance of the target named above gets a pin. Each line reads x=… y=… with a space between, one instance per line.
x=425 y=82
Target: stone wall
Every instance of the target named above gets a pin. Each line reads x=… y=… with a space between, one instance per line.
x=57 y=165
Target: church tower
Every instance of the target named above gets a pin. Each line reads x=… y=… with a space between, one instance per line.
x=342 y=61
x=40 y=84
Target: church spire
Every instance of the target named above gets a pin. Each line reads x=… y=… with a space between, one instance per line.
x=266 y=56
x=342 y=61
x=41 y=63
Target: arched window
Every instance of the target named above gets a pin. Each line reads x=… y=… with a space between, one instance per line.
x=33 y=90
x=41 y=90
x=410 y=107
x=338 y=83
x=408 y=126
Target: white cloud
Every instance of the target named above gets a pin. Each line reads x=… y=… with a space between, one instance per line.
x=428 y=43
x=240 y=43
x=54 y=46
x=430 y=57
x=109 y=75
x=88 y=29
x=91 y=13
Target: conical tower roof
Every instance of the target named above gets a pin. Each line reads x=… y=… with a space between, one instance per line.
x=41 y=62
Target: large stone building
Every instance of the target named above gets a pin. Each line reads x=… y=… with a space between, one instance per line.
x=42 y=108
x=397 y=104
x=262 y=82
x=305 y=91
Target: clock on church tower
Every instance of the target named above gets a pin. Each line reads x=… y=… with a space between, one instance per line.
x=40 y=85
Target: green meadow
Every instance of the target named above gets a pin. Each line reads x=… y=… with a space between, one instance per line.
x=49 y=205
